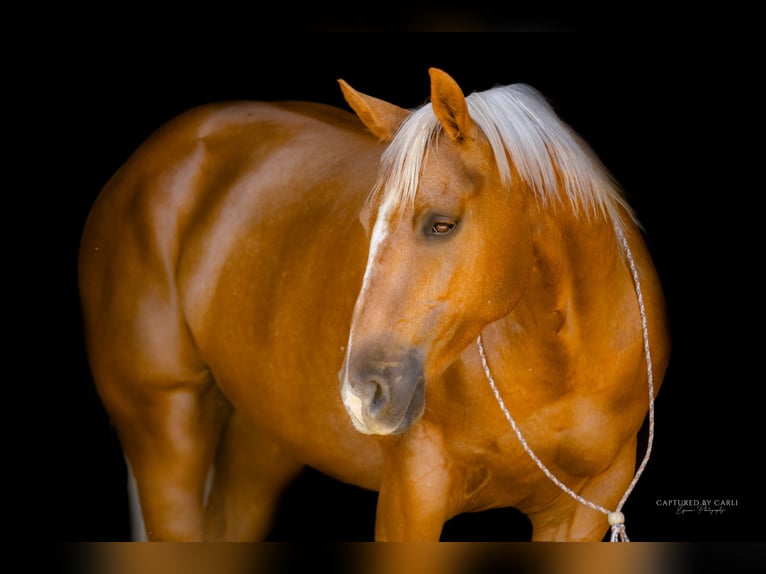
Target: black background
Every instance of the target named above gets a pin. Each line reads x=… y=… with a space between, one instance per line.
x=668 y=119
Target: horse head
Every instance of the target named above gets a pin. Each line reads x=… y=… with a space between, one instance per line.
x=450 y=251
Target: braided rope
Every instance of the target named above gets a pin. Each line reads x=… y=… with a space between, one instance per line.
x=615 y=517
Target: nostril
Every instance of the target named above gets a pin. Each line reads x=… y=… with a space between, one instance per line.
x=379 y=397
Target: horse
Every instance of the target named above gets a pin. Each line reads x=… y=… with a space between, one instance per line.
x=453 y=306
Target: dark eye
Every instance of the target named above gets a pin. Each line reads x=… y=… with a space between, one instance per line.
x=443 y=227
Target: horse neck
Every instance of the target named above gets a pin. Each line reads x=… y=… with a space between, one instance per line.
x=576 y=260
x=576 y=299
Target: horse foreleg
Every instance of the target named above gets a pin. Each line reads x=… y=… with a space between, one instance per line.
x=251 y=472
x=569 y=520
x=414 y=500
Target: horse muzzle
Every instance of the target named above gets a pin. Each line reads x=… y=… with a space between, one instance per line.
x=383 y=391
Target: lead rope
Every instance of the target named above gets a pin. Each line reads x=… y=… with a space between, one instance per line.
x=615 y=517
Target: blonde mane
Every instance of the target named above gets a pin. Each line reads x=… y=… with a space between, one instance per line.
x=522 y=128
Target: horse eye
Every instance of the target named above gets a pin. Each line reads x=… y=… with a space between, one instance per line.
x=442 y=227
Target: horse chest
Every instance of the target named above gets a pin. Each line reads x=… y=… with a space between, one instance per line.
x=574 y=437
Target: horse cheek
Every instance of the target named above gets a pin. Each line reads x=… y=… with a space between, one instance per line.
x=507 y=277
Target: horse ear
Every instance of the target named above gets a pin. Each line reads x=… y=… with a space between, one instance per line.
x=381 y=118
x=449 y=105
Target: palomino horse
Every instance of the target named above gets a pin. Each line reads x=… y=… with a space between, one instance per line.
x=495 y=322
